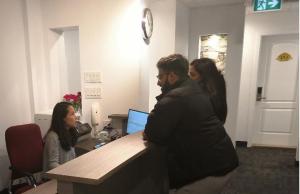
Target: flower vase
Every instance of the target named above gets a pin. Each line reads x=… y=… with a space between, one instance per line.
x=78 y=114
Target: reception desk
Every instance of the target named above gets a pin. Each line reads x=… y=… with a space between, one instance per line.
x=49 y=187
x=126 y=165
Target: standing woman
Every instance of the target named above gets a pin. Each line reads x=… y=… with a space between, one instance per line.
x=61 y=137
x=205 y=71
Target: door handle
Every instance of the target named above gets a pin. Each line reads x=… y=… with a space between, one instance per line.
x=260 y=98
x=259 y=94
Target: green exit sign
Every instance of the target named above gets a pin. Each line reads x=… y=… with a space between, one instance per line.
x=267 y=5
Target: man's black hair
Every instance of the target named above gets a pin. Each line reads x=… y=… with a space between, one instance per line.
x=174 y=63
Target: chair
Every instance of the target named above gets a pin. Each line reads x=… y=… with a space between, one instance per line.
x=24 y=145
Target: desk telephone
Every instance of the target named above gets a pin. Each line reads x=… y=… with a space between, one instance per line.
x=113 y=133
x=82 y=128
x=106 y=135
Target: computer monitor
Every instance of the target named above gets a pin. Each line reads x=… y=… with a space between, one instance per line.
x=136 y=121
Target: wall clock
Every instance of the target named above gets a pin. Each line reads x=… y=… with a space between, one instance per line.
x=147 y=25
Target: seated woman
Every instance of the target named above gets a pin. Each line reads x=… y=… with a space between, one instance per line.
x=205 y=71
x=61 y=137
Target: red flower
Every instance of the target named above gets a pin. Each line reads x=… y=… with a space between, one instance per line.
x=75 y=99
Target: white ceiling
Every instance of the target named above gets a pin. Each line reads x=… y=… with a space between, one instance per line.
x=199 y=3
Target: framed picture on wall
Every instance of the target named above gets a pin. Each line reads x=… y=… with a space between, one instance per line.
x=214 y=46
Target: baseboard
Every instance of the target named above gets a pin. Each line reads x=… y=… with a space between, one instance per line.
x=241 y=144
x=273 y=146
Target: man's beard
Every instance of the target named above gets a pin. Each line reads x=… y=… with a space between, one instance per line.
x=166 y=87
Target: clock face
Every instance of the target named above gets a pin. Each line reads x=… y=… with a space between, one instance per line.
x=147 y=24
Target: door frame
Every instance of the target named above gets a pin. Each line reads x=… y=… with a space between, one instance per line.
x=253 y=84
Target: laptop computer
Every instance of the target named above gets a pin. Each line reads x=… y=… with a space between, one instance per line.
x=136 y=121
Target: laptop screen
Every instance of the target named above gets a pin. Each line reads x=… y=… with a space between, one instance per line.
x=136 y=121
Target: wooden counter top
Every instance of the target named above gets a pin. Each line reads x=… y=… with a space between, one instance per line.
x=97 y=165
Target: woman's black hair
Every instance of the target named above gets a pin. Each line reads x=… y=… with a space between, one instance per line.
x=67 y=137
x=214 y=83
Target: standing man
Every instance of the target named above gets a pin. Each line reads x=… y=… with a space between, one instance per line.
x=200 y=154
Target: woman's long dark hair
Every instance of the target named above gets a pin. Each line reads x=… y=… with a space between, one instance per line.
x=214 y=83
x=67 y=137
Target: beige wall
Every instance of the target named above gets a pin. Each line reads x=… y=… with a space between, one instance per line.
x=222 y=19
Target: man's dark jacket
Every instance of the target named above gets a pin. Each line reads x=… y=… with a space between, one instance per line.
x=197 y=144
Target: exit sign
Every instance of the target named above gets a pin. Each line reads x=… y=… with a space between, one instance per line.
x=267 y=5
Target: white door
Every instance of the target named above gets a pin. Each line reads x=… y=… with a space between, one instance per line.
x=276 y=107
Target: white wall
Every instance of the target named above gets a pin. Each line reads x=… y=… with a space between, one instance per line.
x=109 y=43
x=64 y=75
x=36 y=54
x=73 y=61
x=16 y=99
x=256 y=25
x=71 y=76
x=162 y=43
x=222 y=19
x=182 y=28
